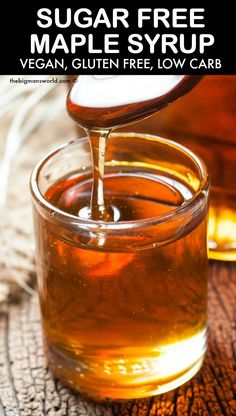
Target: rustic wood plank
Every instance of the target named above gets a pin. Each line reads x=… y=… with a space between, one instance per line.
x=27 y=387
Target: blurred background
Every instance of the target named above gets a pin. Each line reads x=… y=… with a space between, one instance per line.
x=204 y=120
x=34 y=120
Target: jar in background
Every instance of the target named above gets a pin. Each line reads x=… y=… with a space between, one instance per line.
x=205 y=121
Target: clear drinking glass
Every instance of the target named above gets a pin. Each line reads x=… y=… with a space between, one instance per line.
x=123 y=303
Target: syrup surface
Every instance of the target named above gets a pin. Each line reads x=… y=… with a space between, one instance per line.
x=101 y=103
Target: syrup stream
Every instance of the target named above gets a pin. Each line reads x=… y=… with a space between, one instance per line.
x=99 y=104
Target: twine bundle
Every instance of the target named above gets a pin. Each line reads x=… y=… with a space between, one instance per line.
x=31 y=123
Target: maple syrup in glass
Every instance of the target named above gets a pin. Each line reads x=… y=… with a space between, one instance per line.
x=123 y=302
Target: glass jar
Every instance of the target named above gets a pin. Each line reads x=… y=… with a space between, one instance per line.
x=123 y=303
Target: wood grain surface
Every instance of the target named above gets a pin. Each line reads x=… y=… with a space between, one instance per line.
x=28 y=388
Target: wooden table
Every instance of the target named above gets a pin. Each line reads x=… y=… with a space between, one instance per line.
x=27 y=387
